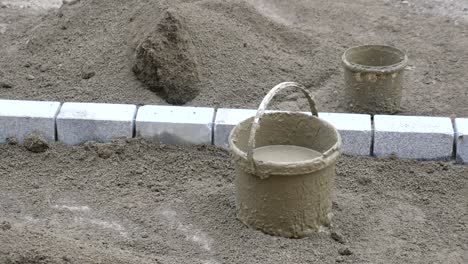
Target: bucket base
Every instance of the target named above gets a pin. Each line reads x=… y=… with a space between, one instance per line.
x=291 y=206
x=304 y=231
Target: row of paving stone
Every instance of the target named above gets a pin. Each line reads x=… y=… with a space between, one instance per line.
x=411 y=137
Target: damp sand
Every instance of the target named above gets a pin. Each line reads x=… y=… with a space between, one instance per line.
x=243 y=49
x=150 y=203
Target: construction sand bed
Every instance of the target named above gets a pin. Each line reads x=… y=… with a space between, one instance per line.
x=137 y=202
x=85 y=51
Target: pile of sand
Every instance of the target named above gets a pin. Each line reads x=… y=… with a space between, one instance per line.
x=165 y=59
x=86 y=51
x=148 y=203
x=240 y=51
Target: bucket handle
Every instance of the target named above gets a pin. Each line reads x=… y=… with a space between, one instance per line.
x=264 y=104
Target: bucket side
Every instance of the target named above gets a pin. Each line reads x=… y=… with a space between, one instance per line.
x=373 y=76
x=294 y=206
x=373 y=93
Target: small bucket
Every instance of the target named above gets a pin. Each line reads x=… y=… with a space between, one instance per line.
x=373 y=78
x=286 y=190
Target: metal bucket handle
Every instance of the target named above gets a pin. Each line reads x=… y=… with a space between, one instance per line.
x=261 y=110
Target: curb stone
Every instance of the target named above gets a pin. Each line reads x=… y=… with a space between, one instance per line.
x=226 y=119
x=461 y=138
x=175 y=124
x=413 y=137
x=355 y=131
x=20 y=118
x=408 y=137
x=81 y=122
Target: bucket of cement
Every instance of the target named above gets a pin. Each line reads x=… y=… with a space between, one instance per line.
x=373 y=78
x=285 y=163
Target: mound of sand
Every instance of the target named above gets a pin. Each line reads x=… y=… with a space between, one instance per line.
x=165 y=59
x=242 y=48
x=240 y=52
x=149 y=203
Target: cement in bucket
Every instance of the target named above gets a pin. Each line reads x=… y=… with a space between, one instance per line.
x=285 y=164
x=374 y=78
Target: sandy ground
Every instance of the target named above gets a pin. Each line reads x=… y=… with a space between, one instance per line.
x=243 y=48
x=40 y=5
x=150 y=203
x=137 y=202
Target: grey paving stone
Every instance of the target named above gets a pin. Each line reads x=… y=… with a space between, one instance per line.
x=81 y=122
x=413 y=137
x=18 y=118
x=175 y=124
x=461 y=126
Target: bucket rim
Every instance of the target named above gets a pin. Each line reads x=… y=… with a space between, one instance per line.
x=284 y=168
x=375 y=69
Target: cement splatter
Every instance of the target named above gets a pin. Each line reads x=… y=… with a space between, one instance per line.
x=112 y=225
x=72 y=208
x=191 y=234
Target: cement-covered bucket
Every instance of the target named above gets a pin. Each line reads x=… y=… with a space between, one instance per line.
x=374 y=78
x=285 y=163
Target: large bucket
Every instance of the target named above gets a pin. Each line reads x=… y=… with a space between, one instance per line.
x=285 y=194
x=374 y=78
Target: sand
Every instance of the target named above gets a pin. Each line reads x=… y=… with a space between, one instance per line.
x=139 y=202
x=148 y=203
x=243 y=48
